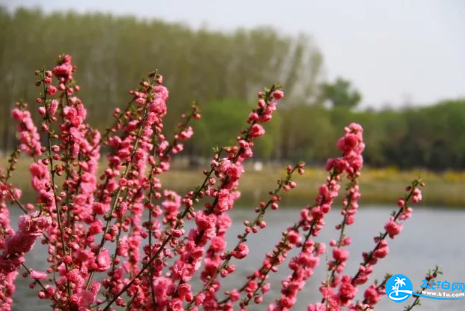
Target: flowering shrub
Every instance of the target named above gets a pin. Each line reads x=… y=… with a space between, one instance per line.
x=155 y=264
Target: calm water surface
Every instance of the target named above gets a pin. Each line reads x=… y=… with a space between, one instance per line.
x=431 y=237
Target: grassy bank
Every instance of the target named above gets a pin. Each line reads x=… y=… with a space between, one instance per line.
x=378 y=186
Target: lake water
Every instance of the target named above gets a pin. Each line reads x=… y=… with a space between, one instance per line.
x=433 y=236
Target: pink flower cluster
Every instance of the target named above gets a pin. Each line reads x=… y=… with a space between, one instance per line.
x=63 y=71
x=21 y=242
x=312 y=220
x=241 y=249
x=14 y=248
x=8 y=277
x=28 y=135
x=351 y=162
x=80 y=210
x=302 y=267
x=348 y=290
x=213 y=222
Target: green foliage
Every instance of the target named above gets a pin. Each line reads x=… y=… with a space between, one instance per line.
x=112 y=53
x=223 y=119
x=308 y=134
x=425 y=137
x=220 y=121
x=340 y=94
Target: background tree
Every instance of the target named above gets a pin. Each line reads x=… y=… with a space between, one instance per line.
x=221 y=71
x=340 y=94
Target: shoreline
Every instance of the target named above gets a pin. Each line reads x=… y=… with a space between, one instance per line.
x=379 y=186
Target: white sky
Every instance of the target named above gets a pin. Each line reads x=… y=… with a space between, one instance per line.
x=393 y=51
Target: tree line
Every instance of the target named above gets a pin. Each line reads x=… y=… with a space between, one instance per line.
x=222 y=71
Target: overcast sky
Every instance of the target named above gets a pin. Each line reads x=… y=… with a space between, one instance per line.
x=394 y=50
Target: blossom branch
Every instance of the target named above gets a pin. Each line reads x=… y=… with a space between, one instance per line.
x=430 y=276
x=240 y=250
x=348 y=285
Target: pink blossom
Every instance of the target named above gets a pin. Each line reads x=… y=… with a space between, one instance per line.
x=51 y=90
x=382 y=251
x=253 y=116
x=317 y=307
x=52 y=108
x=392 y=228
x=185 y=293
x=225 y=201
x=234 y=295
x=416 y=195
x=256 y=131
x=371 y=295
x=103 y=260
x=19 y=243
x=30 y=228
x=38 y=275
x=278 y=94
x=347 y=291
x=17 y=114
x=64 y=69
x=234 y=171
x=218 y=244
x=293 y=237
x=340 y=255
x=29 y=137
x=241 y=251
